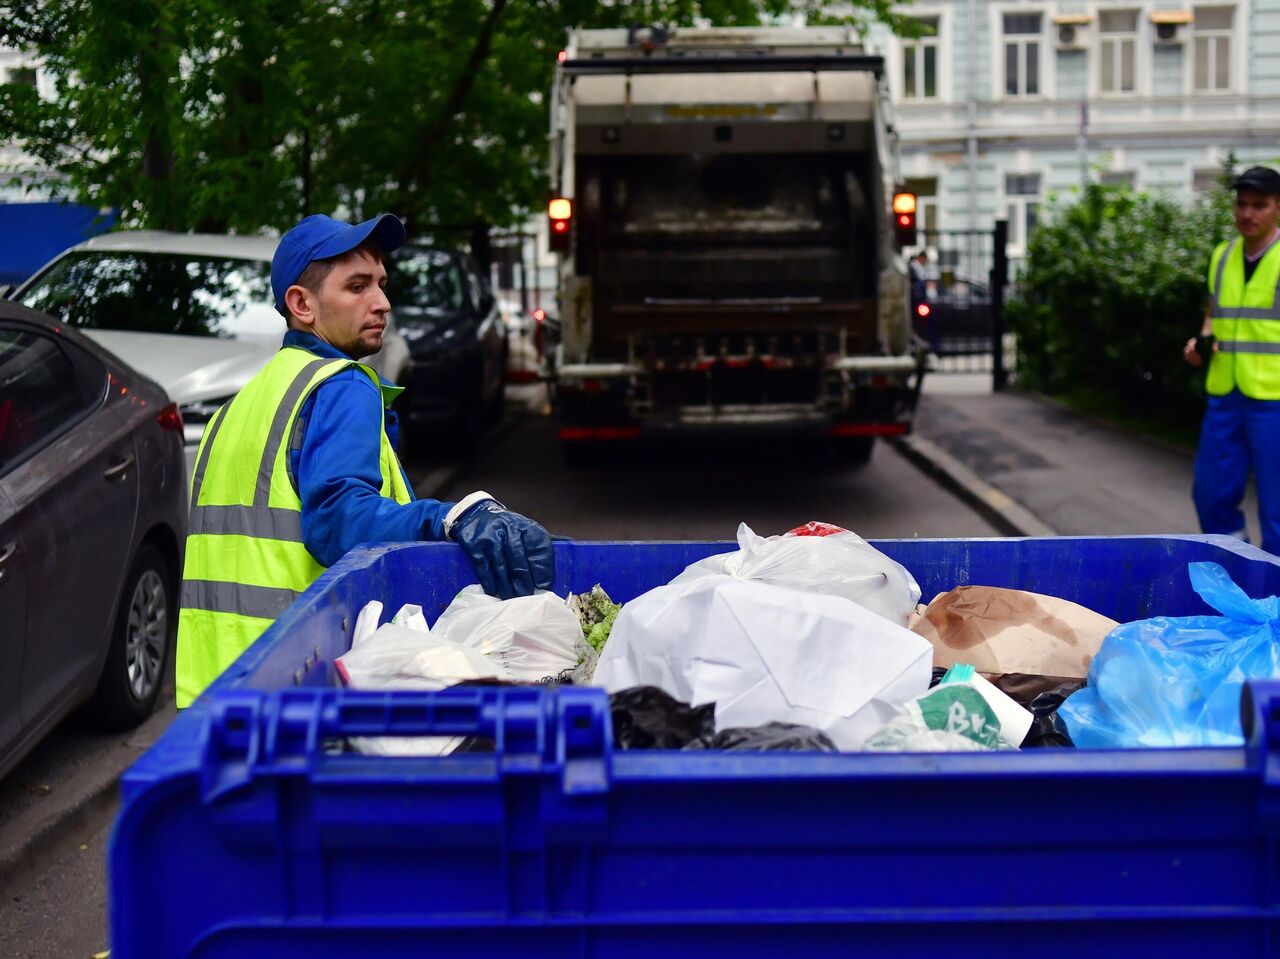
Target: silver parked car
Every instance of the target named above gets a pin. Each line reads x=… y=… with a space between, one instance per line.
x=92 y=520
x=192 y=311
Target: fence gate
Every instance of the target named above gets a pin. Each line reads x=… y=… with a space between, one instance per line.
x=957 y=301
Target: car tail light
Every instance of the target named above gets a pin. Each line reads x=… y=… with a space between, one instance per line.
x=169 y=418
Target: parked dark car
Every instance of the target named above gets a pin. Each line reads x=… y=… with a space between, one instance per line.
x=457 y=346
x=955 y=317
x=93 y=508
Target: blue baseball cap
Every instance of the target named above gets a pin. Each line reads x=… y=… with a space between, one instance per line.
x=320 y=237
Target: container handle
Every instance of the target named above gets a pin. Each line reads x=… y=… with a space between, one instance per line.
x=535 y=730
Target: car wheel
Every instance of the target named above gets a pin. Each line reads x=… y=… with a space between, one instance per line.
x=140 y=643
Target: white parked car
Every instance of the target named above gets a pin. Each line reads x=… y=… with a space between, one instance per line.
x=193 y=312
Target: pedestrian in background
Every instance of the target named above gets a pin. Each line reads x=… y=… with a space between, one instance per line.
x=917 y=266
x=1240 y=341
x=300 y=465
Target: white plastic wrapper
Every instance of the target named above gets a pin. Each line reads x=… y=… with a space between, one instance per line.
x=530 y=637
x=405 y=657
x=818 y=558
x=769 y=653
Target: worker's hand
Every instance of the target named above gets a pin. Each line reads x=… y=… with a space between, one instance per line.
x=512 y=553
x=1190 y=355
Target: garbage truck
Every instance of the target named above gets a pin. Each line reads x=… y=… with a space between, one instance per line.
x=728 y=238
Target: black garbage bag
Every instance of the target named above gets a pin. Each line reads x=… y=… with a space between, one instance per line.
x=771 y=737
x=645 y=717
x=1047 y=728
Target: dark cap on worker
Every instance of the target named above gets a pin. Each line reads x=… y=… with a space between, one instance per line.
x=320 y=237
x=1262 y=179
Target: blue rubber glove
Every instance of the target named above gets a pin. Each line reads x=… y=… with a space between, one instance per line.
x=512 y=553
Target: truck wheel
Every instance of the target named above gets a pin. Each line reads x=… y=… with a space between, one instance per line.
x=582 y=454
x=141 y=639
x=852 y=450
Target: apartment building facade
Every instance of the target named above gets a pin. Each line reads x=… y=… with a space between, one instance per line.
x=1001 y=104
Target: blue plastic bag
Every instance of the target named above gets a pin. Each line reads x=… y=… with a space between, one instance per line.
x=1177 y=682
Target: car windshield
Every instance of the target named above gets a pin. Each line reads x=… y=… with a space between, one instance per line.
x=428 y=281
x=148 y=292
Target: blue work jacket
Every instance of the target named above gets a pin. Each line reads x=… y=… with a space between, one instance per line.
x=333 y=463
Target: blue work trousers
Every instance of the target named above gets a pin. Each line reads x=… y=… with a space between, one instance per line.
x=1239 y=435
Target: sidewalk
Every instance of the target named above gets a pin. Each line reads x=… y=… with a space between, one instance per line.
x=1072 y=474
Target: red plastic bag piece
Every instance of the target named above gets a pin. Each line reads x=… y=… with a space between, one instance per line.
x=814 y=528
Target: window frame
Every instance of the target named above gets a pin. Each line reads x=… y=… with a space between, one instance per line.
x=1047 y=80
x=1021 y=201
x=1214 y=173
x=1142 y=42
x=940 y=41
x=1235 y=46
x=27 y=70
x=87 y=368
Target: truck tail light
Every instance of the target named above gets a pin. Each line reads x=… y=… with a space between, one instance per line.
x=904 y=218
x=560 y=223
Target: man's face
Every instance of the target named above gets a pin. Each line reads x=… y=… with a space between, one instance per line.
x=1256 y=214
x=351 y=308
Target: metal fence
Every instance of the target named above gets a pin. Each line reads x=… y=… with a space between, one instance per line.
x=957 y=301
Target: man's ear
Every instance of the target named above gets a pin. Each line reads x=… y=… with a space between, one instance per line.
x=297 y=300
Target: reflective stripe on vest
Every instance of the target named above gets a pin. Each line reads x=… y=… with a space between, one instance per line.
x=245 y=559
x=1246 y=323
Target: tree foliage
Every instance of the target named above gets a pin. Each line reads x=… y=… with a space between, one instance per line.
x=1113 y=285
x=243 y=114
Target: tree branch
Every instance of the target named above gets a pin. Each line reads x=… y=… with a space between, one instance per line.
x=414 y=178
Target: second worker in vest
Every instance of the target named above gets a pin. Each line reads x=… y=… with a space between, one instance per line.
x=1240 y=340
x=300 y=466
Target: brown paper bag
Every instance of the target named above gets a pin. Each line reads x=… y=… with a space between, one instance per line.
x=1013 y=637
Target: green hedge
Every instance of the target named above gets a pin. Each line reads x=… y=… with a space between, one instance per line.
x=1113 y=285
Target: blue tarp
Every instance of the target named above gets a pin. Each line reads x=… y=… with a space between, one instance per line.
x=32 y=234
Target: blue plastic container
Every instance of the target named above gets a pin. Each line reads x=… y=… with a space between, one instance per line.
x=240 y=836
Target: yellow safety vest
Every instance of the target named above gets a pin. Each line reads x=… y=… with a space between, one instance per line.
x=245 y=559
x=1246 y=323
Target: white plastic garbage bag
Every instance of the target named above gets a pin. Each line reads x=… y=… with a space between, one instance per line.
x=819 y=558
x=405 y=657
x=531 y=637
x=767 y=653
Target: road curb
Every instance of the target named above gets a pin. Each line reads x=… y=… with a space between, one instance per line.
x=996 y=506
x=58 y=834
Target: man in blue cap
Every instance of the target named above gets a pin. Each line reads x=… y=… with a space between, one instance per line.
x=1240 y=342
x=301 y=466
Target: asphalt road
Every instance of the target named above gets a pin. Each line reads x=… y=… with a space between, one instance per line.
x=56 y=904
x=704 y=489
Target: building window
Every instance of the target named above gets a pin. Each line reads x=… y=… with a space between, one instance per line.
x=1206 y=179
x=1022 y=42
x=920 y=62
x=24 y=76
x=1124 y=178
x=1022 y=193
x=1211 y=51
x=1118 y=31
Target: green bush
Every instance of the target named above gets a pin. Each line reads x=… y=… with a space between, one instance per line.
x=1113 y=285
